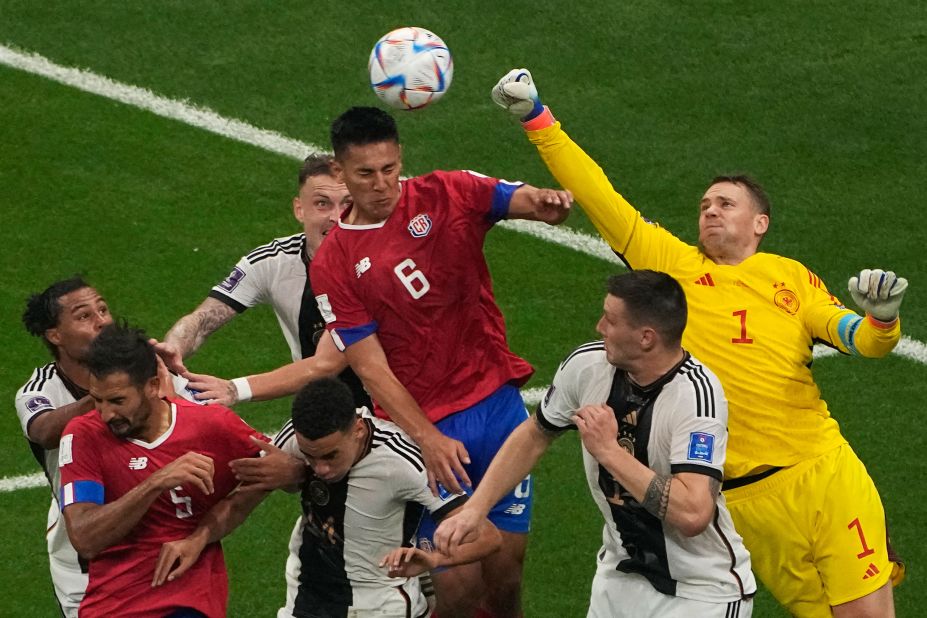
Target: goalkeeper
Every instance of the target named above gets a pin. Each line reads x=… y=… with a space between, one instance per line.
x=807 y=509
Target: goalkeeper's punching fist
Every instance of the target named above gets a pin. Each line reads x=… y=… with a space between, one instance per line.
x=878 y=293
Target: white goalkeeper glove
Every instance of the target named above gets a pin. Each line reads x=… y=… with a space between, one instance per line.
x=516 y=93
x=878 y=293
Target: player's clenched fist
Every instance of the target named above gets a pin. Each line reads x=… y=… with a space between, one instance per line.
x=597 y=429
x=878 y=292
x=192 y=468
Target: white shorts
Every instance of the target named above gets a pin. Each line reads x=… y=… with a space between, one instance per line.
x=70 y=584
x=627 y=595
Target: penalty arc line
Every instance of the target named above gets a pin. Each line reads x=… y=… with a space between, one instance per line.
x=206 y=119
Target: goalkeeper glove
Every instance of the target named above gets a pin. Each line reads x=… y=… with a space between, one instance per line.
x=878 y=293
x=516 y=93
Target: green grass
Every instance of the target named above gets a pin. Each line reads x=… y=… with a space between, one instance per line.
x=822 y=101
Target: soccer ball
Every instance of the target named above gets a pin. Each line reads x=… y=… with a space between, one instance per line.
x=410 y=68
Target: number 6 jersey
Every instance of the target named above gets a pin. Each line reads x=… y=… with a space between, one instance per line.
x=420 y=282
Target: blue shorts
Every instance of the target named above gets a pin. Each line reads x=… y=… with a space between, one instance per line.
x=483 y=428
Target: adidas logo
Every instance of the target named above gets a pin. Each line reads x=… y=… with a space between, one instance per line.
x=872 y=571
x=705 y=280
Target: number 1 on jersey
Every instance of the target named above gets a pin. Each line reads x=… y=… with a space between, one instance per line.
x=862 y=539
x=414 y=280
x=743 y=327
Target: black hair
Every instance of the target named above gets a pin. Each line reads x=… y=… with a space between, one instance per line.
x=652 y=299
x=43 y=310
x=323 y=407
x=120 y=348
x=360 y=126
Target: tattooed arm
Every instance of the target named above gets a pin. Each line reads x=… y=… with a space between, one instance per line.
x=686 y=500
x=190 y=331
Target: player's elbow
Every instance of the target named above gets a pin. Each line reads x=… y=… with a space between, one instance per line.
x=694 y=521
x=84 y=546
x=46 y=439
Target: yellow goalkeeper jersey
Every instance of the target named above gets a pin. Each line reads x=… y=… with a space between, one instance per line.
x=754 y=324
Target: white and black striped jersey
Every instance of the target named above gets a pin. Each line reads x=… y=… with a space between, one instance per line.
x=677 y=424
x=46 y=390
x=277 y=274
x=349 y=526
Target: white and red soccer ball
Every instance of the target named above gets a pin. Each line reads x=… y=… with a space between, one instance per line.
x=410 y=68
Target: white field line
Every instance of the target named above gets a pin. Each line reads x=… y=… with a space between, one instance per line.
x=208 y=120
x=271 y=141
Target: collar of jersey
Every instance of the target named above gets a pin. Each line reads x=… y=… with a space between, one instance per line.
x=369 y=226
x=164 y=436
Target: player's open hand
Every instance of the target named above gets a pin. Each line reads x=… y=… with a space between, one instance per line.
x=462 y=526
x=176 y=558
x=409 y=562
x=212 y=389
x=445 y=459
x=171 y=356
x=191 y=468
x=597 y=429
x=275 y=470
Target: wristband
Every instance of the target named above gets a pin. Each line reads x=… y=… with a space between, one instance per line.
x=243 y=388
x=541 y=121
x=881 y=324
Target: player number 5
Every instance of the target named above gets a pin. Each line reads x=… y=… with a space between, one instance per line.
x=413 y=279
x=184 y=503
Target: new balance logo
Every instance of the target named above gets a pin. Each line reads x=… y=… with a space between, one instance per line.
x=361 y=267
x=872 y=571
x=705 y=280
x=138 y=463
x=515 y=509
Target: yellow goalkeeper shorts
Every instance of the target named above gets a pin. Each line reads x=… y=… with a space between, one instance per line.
x=816 y=532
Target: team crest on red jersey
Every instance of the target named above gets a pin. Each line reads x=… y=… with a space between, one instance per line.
x=420 y=225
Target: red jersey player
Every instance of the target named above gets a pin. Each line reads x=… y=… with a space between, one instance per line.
x=406 y=294
x=139 y=471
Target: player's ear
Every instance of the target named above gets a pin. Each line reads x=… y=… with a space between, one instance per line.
x=649 y=338
x=298 y=209
x=358 y=429
x=152 y=387
x=53 y=336
x=337 y=171
x=760 y=224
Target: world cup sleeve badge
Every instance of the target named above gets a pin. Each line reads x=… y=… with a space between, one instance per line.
x=701 y=446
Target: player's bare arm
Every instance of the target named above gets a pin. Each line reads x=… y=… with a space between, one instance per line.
x=411 y=561
x=177 y=557
x=192 y=330
x=46 y=428
x=514 y=461
x=444 y=457
x=275 y=470
x=281 y=382
x=552 y=206
x=685 y=500
x=95 y=527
